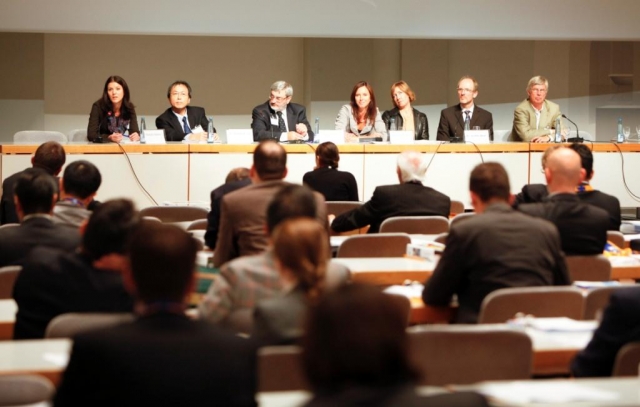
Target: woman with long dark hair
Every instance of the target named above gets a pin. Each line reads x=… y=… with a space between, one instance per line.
x=325 y=178
x=113 y=116
x=360 y=117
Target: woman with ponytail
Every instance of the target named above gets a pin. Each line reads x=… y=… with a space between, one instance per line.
x=325 y=178
x=301 y=249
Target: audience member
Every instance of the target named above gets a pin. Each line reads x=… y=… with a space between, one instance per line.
x=532 y=193
x=280 y=120
x=405 y=116
x=534 y=119
x=50 y=157
x=582 y=227
x=497 y=248
x=35 y=195
x=242 y=212
x=162 y=358
x=619 y=327
x=54 y=282
x=245 y=281
x=356 y=353
x=465 y=115
x=325 y=178
x=301 y=249
x=236 y=179
x=80 y=183
x=409 y=198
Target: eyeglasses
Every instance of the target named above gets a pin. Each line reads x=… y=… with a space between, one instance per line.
x=278 y=98
x=465 y=90
x=174 y=94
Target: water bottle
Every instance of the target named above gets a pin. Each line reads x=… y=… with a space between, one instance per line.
x=558 y=138
x=316 y=128
x=143 y=127
x=392 y=124
x=620 y=137
x=210 y=130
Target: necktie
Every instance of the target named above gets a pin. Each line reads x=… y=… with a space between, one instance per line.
x=185 y=126
x=467 y=120
x=281 y=126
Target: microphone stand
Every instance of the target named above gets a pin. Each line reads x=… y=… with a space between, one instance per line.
x=576 y=139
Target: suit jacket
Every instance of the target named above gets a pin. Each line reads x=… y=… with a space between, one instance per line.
x=243 y=220
x=18 y=241
x=280 y=320
x=347 y=123
x=159 y=360
x=264 y=130
x=609 y=203
x=420 y=122
x=7 y=206
x=52 y=283
x=213 y=217
x=173 y=128
x=452 y=123
x=334 y=185
x=524 y=120
x=407 y=199
x=531 y=193
x=497 y=249
x=98 y=127
x=582 y=227
x=620 y=325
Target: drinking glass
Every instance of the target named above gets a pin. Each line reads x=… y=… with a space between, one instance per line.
x=638 y=131
x=626 y=130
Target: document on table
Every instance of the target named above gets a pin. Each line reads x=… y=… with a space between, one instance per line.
x=545 y=392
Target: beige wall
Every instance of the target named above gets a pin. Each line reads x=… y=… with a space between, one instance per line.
x=22 y=66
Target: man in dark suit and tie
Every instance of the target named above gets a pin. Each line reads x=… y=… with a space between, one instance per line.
x=163 y=358
x=454 y=120
x=409 y=198
x=181 y=120
x=279 y=119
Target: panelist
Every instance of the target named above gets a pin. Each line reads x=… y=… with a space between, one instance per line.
x=406 y=117
x=361 y=116
x=279 y=119
x=454 y=120
x=534 y=119
x=113 y=116
x=181 y=121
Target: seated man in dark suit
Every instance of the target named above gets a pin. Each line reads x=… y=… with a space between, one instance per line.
x=280 y=120
x=181 y=121
x=454 y=120
x=80 y=184
x=582 y=227
x=50 y=157
x=409 y=198
x=532 y=193
x=497 y=248
x=236 y=179
x=35 y=195
x=53 y=282
x=163 y=358
x=619 y=326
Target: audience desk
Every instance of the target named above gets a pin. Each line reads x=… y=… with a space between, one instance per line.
x=8 y=310
x=45 y=357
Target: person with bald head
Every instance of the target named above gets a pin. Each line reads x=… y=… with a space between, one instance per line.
x=582 y=227
x=243 y=212
x=409 y=198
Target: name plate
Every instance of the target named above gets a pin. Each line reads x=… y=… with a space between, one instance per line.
x=477 y=136
x=239 y=136
x=401 y=137
x=334 y=136
x=154 y=137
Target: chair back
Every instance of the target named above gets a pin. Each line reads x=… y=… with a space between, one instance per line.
x=200 y=224
x=627 y=360
x=8 y=276
x=469 y=354
x=456 y=207
x=339 y=207
x=616 y=237
x=39 y=136
x=280 y=369
x=175 y=214
x=415 y=225
x=78 y=135
x=68 y=325
x=441 y=238
x=501 y=135
x=25 y=390
x=375 y=245
x=596 y=300
x=505 y=303
x=461 y=217
x=589 y=268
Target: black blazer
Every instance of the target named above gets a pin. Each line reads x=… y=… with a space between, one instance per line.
x=18 y=241
x=419 y=121
x=582 y=227
x=609 y=203
x=160 y=360
x=531 y=193
x=213 y=217
x=452 y=123
x=98 y=128
x=620 y=325
x=408 y=199
x=264 y=130
x=173 y=129
x=333 y=184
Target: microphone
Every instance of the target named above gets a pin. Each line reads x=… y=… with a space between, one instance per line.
x=576 y=139
x=455 y=138
x=317 y=128
x=99 y=138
